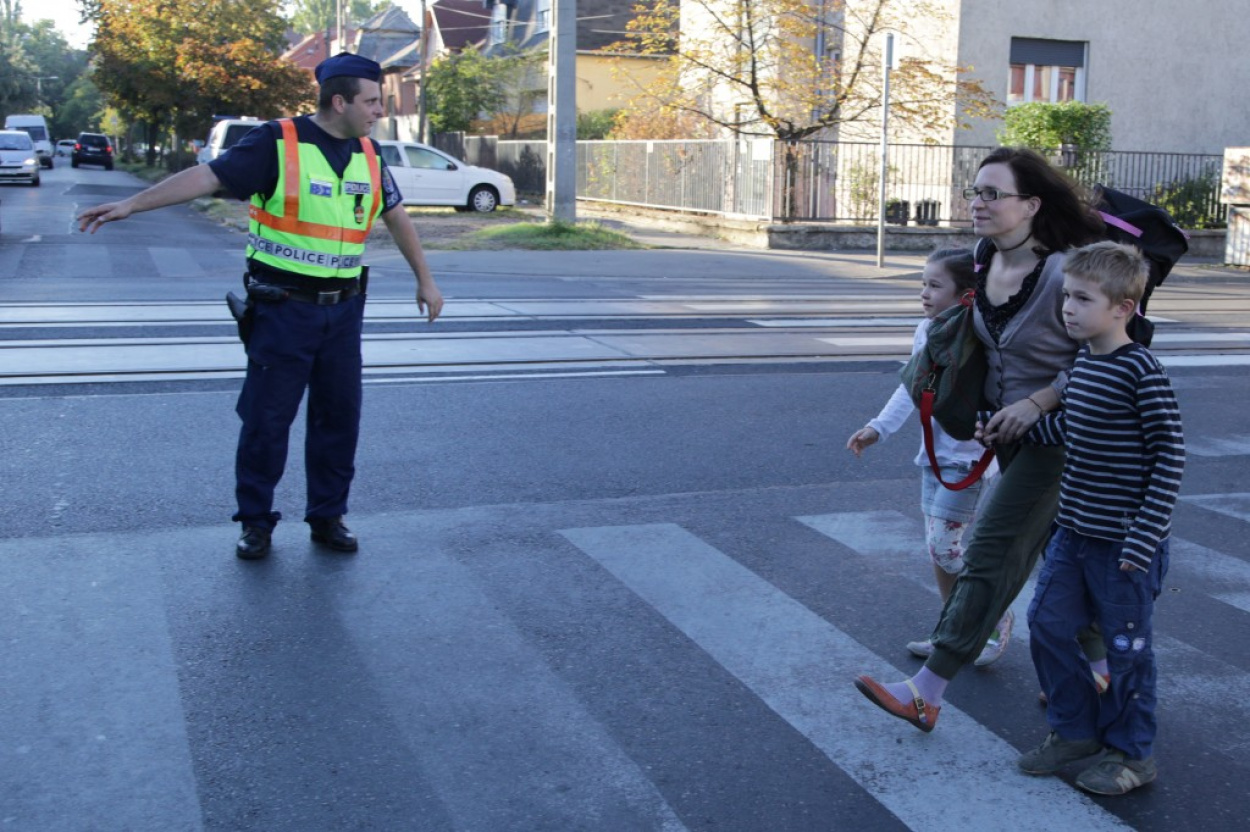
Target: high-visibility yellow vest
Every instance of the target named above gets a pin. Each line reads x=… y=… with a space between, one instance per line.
x=316 y=222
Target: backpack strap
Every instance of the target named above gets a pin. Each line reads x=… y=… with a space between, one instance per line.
x=926 y=427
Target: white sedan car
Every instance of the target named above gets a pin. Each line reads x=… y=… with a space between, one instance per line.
x=427 y=176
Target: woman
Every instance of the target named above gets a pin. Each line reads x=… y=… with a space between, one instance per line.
x=1030 y=214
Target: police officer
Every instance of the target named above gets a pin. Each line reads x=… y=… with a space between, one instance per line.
x=316 y=185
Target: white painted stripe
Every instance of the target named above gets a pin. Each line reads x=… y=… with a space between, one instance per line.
x=801 y=666
x=175 y=262
x=1192 y=676
x=1229 y=575
x=834 y=323
x=1218 y=446
x=92 y=715
x=520 y=375
x=1234 y=505
x=897 y=544
x=1221 y=360
x=902 y=342
x=479 y=704
x=1199 y=337
x=776 y=305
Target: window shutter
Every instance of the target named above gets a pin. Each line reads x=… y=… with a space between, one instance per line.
x=1041 y=52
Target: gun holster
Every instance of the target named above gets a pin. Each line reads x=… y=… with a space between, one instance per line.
x=243 y=312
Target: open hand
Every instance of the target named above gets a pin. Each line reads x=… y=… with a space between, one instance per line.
x=429 y=301
x=861 y=439
x=92 y=218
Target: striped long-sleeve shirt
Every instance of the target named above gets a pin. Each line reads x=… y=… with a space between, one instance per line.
x=1125 y=450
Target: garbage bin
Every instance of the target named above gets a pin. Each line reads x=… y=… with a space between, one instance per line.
x=927 y=212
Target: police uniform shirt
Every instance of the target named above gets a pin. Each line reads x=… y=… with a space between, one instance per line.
x=251 y=166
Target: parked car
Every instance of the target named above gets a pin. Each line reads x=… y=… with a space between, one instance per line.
x=92 y=149
x=225 y=135
x=428 y=176
x=37 y=128
x=18 y=162
x=65 y=147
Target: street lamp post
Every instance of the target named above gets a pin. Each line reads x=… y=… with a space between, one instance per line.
x=39 y=79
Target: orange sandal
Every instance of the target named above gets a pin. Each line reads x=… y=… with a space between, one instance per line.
x=917 y=712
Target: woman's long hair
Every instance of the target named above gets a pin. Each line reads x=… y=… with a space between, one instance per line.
x=1065 y=218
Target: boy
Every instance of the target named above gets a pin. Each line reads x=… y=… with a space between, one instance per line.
x=1125 y=453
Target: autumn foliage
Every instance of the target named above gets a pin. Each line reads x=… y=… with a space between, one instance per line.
x=179 y=63
x=793 y=69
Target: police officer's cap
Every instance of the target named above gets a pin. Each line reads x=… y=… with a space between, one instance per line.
x=348 y=65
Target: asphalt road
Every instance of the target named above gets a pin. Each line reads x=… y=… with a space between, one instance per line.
x=617 y=570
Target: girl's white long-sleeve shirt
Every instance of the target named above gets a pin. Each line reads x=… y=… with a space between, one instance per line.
x=898 y=409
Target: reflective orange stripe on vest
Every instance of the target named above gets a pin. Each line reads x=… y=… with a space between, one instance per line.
x=290 y=222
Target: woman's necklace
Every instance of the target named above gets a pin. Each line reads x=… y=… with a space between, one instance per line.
x=1017 y=245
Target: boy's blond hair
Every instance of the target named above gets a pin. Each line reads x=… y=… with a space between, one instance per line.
x=1119 y=271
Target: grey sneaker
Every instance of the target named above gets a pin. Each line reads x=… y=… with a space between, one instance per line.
x=996 y=645
x=920 y=649
x=1055 y=753
x=1117 y=774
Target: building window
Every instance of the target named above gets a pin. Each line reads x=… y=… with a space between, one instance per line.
x=542 y=15
x=1046 y=70
x=498 y=24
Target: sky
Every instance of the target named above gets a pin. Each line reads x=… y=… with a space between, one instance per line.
x=64 y=13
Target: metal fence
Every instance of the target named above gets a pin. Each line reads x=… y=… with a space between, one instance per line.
x=838 y=181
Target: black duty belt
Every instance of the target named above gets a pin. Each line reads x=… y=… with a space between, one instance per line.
x=271 y=292
x=323 y=298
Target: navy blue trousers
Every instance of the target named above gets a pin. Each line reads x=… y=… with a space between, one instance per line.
x=296 y=347
x=1081 y=583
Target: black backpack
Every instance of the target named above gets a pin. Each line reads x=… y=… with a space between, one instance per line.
x=1137 y=223
x=1150 y=228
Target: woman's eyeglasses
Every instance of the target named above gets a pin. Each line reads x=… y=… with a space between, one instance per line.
x=989 y=194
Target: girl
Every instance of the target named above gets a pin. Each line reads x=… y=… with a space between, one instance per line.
x=948 y=275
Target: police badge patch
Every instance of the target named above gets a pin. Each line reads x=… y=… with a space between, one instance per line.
x=357 y=188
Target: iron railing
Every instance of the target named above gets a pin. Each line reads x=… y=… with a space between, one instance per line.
x=838 y=181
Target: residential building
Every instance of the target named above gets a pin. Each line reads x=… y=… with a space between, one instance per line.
x=310 y=50
x=393 y=40
x=1174 y=76
x=606 y=80
x=1139 y=57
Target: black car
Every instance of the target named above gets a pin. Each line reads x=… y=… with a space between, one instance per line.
x=92 y=149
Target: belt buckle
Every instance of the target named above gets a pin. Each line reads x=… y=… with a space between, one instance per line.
x=328 y=298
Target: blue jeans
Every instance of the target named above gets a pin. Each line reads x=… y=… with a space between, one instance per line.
x=1081 y=583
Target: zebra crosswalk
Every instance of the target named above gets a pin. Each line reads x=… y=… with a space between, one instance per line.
x=606 y=665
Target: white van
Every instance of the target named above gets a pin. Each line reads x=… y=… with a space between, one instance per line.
x=37 y=128
x=225 y=135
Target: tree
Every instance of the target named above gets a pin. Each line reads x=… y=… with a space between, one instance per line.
x=796 y=68
x=322 y=15
x=57 y=66
x=460 y=88
x=1046 y=127
x=171 y=64
x=80 y=110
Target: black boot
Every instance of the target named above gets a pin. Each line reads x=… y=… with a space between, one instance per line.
x=254 y=544
x=332 y=533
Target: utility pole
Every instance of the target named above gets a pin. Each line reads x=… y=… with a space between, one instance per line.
x=426 y=16
x=885 y=146
x=562 y=112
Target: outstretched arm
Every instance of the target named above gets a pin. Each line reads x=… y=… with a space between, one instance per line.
x=429 y=298
x=181 y=187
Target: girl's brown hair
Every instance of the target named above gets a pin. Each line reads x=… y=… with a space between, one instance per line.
x=958 y=264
